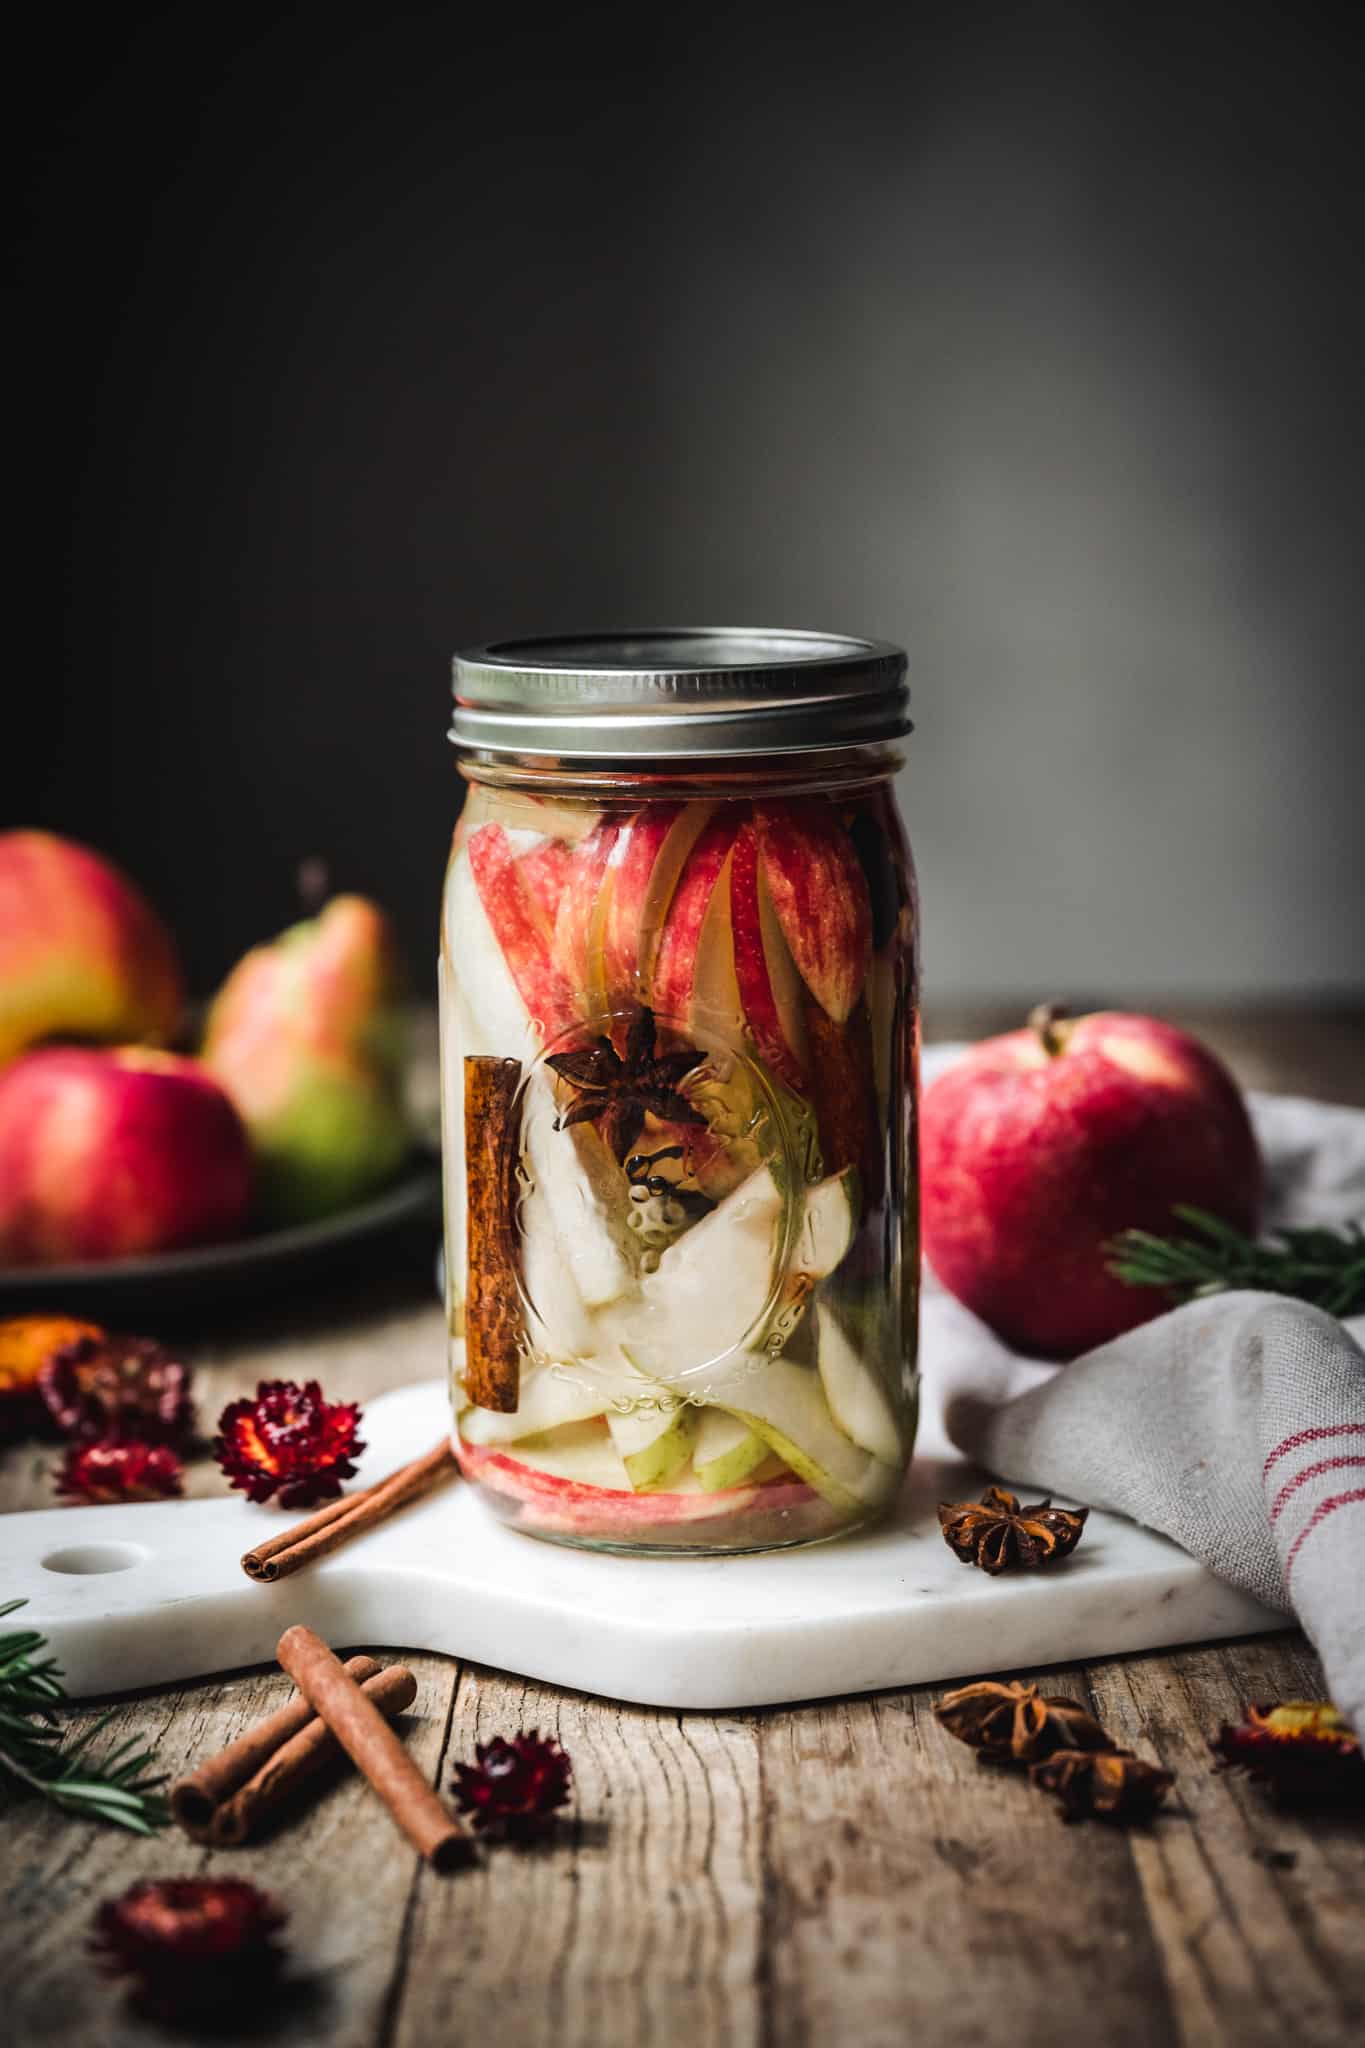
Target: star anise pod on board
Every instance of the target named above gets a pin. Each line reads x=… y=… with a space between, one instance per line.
x=616 y=1094
x=1304 y=1750
x=1102 y=1785
x=996 y=1532
x=1014 y=1723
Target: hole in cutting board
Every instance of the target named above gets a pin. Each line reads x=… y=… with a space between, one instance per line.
x=87 y=1558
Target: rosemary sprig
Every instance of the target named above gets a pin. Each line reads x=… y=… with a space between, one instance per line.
x=115 y=1787
x=1325 y=1267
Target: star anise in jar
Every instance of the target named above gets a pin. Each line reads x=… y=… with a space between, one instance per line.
x=617 y=1094
x=996 y=1532
x=1102 y=1785
x=1014 y=1723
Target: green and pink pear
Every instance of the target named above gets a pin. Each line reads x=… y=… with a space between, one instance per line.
x=306 y=1035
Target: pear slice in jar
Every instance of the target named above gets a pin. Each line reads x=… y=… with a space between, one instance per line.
x=553 y=1395
x=713 y=1286
x=785 y=1405
x=857 y=1400
x=654 y=1442
x=726 y=1451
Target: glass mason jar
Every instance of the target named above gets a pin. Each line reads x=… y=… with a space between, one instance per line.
x=679 y=1055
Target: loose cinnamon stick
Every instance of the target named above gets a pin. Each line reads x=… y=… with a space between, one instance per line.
x=373 y=1748
x=195 y=1799
x=340 y=1520
x=492 y=1320
x=247 y=1813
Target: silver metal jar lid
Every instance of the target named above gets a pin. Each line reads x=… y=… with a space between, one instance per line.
x=694 y=692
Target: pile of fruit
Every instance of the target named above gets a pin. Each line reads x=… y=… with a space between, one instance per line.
x=701 y=1332
x=112 y=1145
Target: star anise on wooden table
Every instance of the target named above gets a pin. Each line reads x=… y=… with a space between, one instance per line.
x=616 y=1094
x=1104 y=1785
x=996 y=1532
x=1014 y=1723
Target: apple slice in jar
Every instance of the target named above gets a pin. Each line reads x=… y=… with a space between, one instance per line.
x=768 y=987
x=646 y=864
x=586 y=1191
x=523 y=934
x=820 y=896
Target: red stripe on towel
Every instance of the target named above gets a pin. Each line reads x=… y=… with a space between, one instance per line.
x=1312 y=1472
x=1311 y=1436
x=1320 y=1513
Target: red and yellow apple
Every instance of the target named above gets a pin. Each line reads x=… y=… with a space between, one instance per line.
x=107 y=1154
x=82 y=952
x=307 y=1037
x=1040 y=1146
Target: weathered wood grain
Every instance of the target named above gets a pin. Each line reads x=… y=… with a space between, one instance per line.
x=842 y=1873
x=338 y=1865
x=642 y=1927
x=915 y=1894
x=1251 y=1952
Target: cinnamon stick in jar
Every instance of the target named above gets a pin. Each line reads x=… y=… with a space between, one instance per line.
x=492 y=1374
x=373 y=1748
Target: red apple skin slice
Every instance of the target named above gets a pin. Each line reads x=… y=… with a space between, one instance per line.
x=544 y=873
x=520 y=932
x=634 y=859
x=770 y=991
x=581 y=916
x=646 y=863
x=569 y=1503
x=675 y=969
x=819 y=892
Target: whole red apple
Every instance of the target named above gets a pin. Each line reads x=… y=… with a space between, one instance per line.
x=82 y=952
x=107 y=1154
x=1038 y=1147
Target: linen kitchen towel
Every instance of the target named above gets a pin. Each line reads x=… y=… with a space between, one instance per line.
x=1235 y=1425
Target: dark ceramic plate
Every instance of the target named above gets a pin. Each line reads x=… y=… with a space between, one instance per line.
x=246 y=1266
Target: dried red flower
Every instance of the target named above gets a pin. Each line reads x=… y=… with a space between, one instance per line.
x=194 y=1948
x=1102 y=1784
x=26 y=1345
x=118 y=1469
x=103 y=1385
x=1305 y=1750
x=514 y=1787
x=289 y=1442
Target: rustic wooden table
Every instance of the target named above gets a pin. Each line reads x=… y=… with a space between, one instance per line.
x=840 y=1872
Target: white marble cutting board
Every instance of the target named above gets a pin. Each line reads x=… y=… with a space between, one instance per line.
x=145 y=1595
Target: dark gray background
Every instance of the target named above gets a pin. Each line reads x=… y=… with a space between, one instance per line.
x=1021 y=336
